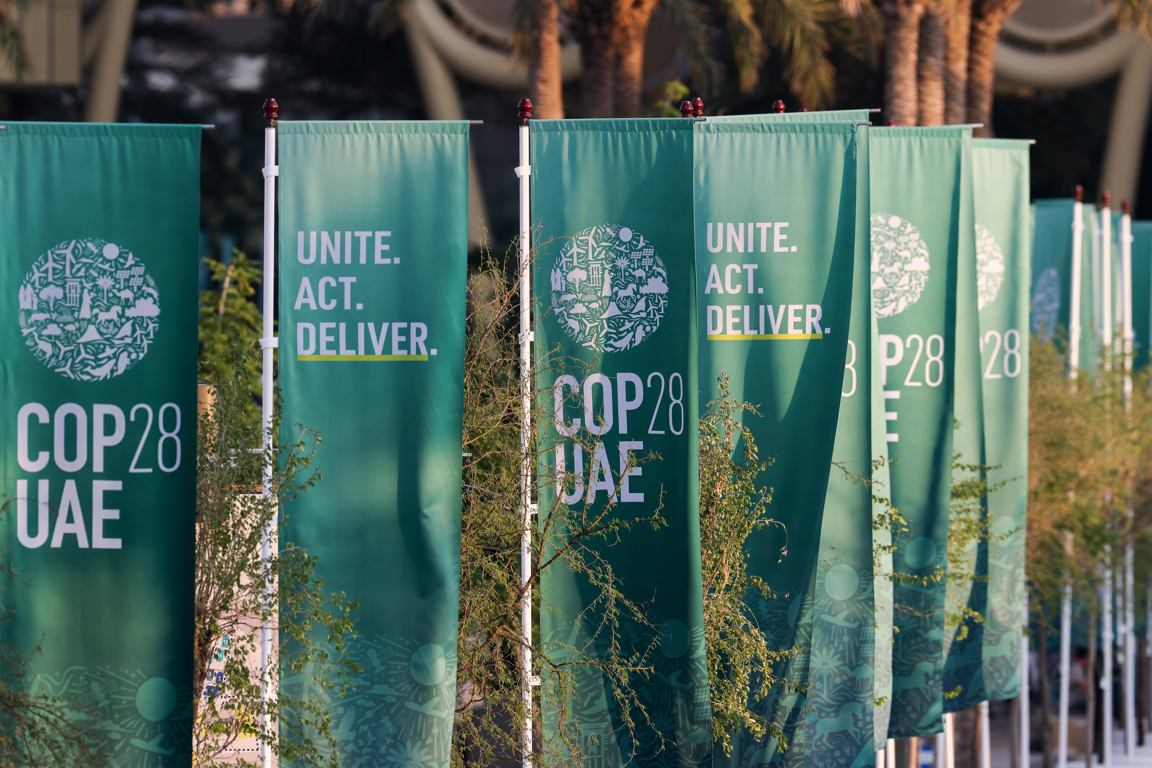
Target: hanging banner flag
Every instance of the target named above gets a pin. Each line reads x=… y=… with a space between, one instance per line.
x=1141 y=292
x=918 y=197
x=827 y=116
x=100 y=231
x=616 y=343
x=850 y=676
x=967 y=585
x=774 y=269
x=374 y=238
x=1003 y=248
x=1052 y=266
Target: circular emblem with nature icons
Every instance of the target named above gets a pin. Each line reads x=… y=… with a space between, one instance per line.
x=609 y=288
x=899 y=264
x=88 y=309
x=989 y=267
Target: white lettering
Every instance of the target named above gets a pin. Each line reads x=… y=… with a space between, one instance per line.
x=41 y=414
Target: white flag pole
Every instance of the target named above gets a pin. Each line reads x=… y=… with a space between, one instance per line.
x=268 y=343
x=1106 y=643
x=523 y=172
x=1129 y=586
x=1109 y=319
x=1074 y=331
x=1025 y=714
x=985 y=738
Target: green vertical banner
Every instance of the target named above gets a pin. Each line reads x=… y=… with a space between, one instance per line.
x=917 y=197
x=616 y=341
x=1141 y=292
x=1003 y=247
x=774 y=271
x=1053 y=233
x=827 y=116
x=967 y=588
x=373 y=233
x=98 y=255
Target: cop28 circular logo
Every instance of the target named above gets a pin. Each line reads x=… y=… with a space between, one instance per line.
x=609 y=288
x=989 y=267
x=899 y=264
x=89 y=309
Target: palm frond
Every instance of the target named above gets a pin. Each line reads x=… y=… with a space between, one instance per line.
x=746 y=38
x=796 y=29
x=1133 y=14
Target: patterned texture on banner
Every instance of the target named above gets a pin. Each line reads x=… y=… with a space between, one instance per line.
x=963 y=640
x=1051 y=290
x=373 y=229
x=794 y=274
x=917 y=195
x=100 y=231
x=616 y=342
x=1003 y=249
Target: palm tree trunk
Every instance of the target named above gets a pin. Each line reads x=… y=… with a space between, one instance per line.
x=629 y=77
x=594 y=22
x=956 y=30
x=631 y=29
x=987 y=18
x=545 y=85
x=902 y=39
x=930 y=68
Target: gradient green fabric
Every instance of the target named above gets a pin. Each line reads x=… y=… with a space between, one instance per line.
x=373 y=233
x=774 y=269
x=827 y=116
x=851 y=658
x=1004 y=244
x=1141 y=292
x=616 y=345
x=1052 y=276
x=963 y=639
x=918 y=199
x=99 y=230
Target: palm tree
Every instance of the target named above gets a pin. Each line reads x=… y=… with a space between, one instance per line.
x=901 y=58
x=987 y=19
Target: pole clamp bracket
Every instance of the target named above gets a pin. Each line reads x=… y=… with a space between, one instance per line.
x=273 y=171
x=270 y=343
x=534 y=681
x=533 y=509
x=523 y=170
x=528 y=337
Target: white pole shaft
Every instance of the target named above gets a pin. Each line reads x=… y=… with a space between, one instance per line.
x=950 y=740
x=1126 y=287
x=1129 y=654
x=940 y=750
x=1074 y=329
x=1106 y=641
x=525 y=440
x=985 y=740
x=268 y=283
x=1065 y=667
x=1109 y=320
x=890 y=753
x=1025 y=668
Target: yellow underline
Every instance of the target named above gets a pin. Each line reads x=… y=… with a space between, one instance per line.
x=762 y=336
x=362 y=358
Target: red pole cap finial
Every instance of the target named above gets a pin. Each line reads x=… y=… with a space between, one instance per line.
x=698 y=107
x=1107 y=198
x=1125 y=207
x=891 y=123
x=685 y=108
x=1079 y=193
x=778 y=106
x=803 y=109
x=525 y=107
x=271 y=112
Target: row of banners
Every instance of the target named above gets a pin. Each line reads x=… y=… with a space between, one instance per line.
x=867 y=288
